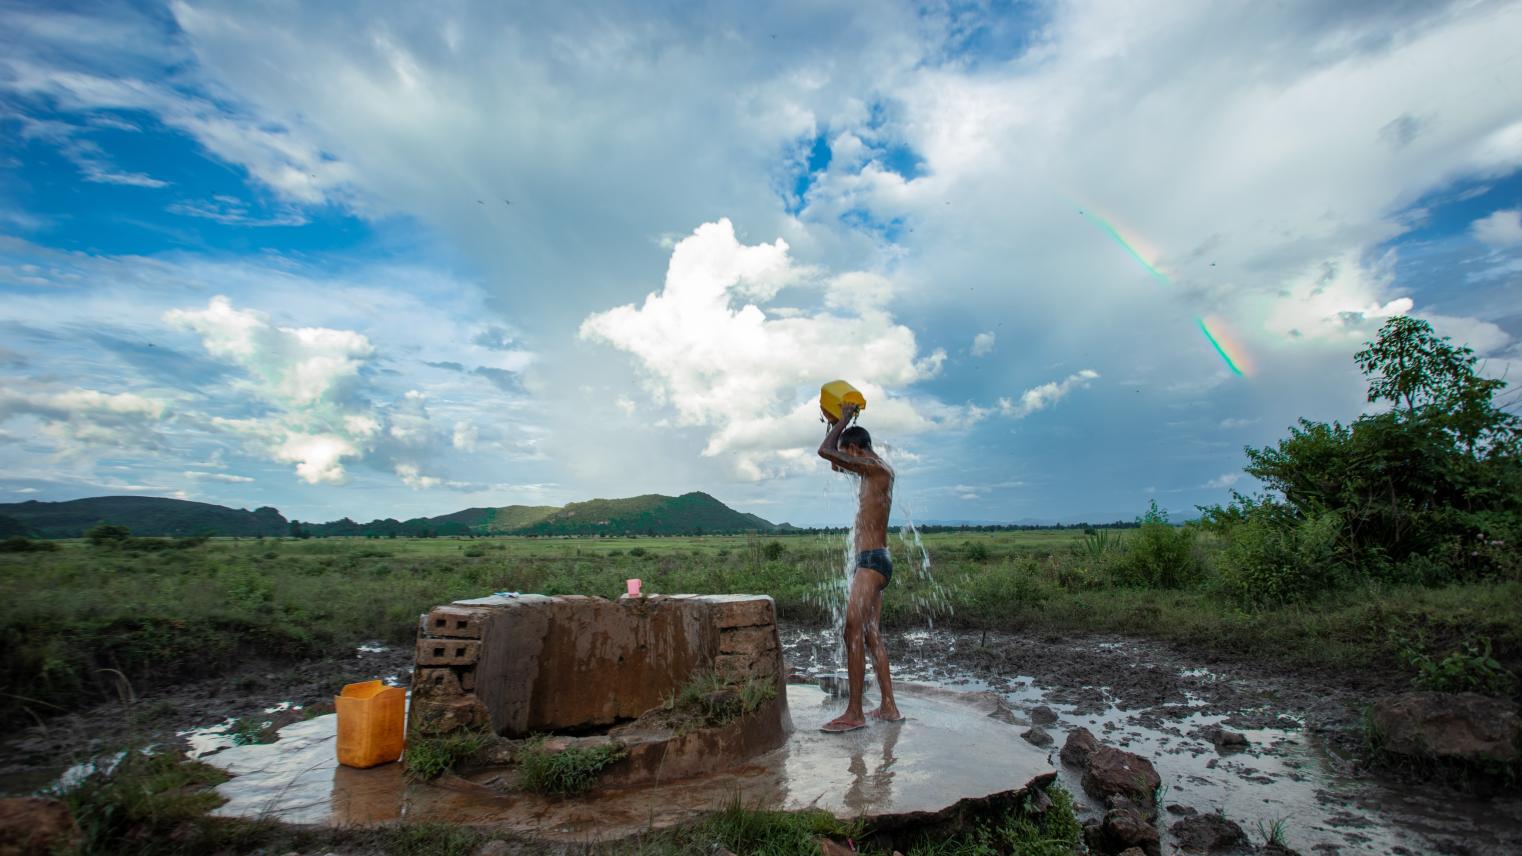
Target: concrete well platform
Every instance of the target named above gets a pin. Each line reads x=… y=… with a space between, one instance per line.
x=949 y=749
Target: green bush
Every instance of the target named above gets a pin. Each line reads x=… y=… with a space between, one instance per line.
x=107 y=534
x=1470 y=668
x=975 y=551
x=1158 y=555
x=987 y=597
x=22 y=544
x=1269 y=562
x=773 y=550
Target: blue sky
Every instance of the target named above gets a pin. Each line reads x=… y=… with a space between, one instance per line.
x=395 y=261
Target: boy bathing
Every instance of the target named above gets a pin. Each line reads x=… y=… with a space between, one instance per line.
x=849 y=449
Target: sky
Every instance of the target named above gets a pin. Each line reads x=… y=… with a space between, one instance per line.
x=395 y=259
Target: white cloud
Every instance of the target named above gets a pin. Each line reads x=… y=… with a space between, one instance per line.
x=709 y=351
x=78 y=418
x=982 y=344
x=465 y=436
x=217 y=477
x=1224 y=480
x=412 y=477
x=1044 y=396
x=318 y=457
x=1239 y=422
x=296 y=366
x=1499 y=229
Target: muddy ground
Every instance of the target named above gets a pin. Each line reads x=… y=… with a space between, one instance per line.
x=1301 y=774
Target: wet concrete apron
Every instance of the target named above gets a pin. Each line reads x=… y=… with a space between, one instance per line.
x=1297 y=770
x=949 y=748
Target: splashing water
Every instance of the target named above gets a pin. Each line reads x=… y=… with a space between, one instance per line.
x=928 y=599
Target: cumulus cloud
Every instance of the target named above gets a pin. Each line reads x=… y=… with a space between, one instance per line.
x=1499 y=229
x=1224 y=480
x=299 y=366
x=982 y=344
x=1044 y=396
x=711 y=352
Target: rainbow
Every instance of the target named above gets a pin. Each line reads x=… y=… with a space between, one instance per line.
x=1232 y=354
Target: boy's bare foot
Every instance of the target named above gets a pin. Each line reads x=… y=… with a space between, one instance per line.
x=840 y=724
x=886 y=715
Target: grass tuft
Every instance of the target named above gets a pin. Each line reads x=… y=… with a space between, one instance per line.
x=428 y=757
x=571 y=771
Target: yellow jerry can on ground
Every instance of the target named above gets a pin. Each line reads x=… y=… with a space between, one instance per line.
x=372 y=724
x=837 y=392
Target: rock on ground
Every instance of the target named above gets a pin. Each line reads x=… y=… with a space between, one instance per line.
x=1448 y=726
x=34 y=825
x=1207 y=833
x=1122 y=829
x=1037 y=736
x=1112 y=772
x=1080 y=744
x=1043 y=715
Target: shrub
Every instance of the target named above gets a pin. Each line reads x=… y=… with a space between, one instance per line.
x=773 y=550
x=1471 y=668
x=976 y=551
x=1159 y=555
x=22 y=544
x=107 y=534
x=1269 y=562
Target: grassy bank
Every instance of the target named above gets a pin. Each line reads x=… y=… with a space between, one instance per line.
x=86 y=623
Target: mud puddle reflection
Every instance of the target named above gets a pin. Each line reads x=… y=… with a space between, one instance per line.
x=1286 y=777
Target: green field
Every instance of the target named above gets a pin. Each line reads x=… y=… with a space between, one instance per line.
x=77 y=621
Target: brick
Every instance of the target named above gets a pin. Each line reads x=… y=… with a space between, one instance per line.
x=748 y=640
x=430 y=716
x=467 y=679
x=746 y=612
x=742 y=666
x=436 y=683
x=447 y=652
x=454 y=622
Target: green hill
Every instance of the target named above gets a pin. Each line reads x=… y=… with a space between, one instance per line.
x=652 y=514
x=511 y=518
x=144 y=515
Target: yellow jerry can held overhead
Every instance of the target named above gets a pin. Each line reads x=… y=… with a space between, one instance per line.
x=372 y=724
x=837 y=392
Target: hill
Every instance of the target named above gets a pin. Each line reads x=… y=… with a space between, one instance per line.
x=652 y=514
x=144 y=515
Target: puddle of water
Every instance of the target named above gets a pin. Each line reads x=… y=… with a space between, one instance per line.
x=371 y=648
x=947 y=749
x=1284 y=774
x=209 y=739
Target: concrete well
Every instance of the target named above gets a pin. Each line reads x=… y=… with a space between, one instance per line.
x=530 y=664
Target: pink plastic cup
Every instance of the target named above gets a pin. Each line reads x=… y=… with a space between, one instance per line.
x=633 y=587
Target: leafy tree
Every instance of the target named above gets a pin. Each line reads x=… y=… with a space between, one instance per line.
x=1420 y=493
x=1425 y=376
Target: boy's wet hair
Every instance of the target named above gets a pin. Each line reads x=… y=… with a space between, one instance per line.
x=856 y=436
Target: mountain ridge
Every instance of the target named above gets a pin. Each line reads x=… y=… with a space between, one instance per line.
x=693 y=513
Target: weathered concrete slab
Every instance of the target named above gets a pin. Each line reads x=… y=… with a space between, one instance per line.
x=526 y=664
x=949 y=750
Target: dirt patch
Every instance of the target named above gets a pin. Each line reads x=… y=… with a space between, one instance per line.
x=258 y=692
x=1279 y=752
